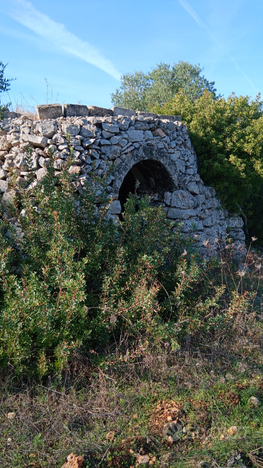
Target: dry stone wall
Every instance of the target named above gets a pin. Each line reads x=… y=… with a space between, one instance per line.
x=154 y=150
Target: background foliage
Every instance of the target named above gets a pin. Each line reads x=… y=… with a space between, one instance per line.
x=227 y=135
x=140 y=90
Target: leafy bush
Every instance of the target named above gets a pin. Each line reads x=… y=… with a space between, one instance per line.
x=64 y=267
x=71 y=278
x=228 y=138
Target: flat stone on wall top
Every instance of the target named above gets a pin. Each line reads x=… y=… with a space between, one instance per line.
x=11 y=115
x=49 y=111
x=95 y=111
x=124 y=112
x=75 y=110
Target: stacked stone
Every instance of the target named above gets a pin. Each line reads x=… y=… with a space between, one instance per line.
x=118 y=139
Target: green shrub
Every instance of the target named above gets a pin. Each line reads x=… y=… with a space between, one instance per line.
x=227 y=135
x=71 y=278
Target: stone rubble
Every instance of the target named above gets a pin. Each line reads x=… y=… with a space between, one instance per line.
x=126 y=142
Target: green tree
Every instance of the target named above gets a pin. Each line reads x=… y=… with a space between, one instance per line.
x=4 y=86
x=227 y=135
x=4 y=82
x=140 y=90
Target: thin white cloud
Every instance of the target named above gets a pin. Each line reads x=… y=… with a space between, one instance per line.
x=191 y=12
x=56 y=33
x=202 y=25
x=245 y=76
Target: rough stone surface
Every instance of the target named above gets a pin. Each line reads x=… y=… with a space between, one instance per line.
x=47 y=129
x=39 y=141
x=99 y=111
x=125 y=112
x=49 y=111
x=154 y=149
x=74 y=110
x=3 y=186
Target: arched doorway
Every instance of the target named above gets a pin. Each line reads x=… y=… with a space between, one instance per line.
x=153 y=179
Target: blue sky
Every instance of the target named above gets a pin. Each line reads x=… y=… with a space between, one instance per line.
x=81 y=48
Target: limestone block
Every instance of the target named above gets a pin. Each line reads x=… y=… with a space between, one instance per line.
x=11 y=115
x=193 y=188
x=58 y=164
x=49 y=111
x=43 y=162
x=72 y=130
x=47 y=129
x=112 y=128
x=125 y=112
x=124 y=124
x=180 y=165
x=2 y=173
x=3 y=185
x=8 y=164
x=148 y=135
x=167 y=198
x=175 y=155
x=192 y=225
x=159 y=133
x=88 y=131
x=87 y=143
x=115 y=207
x=106 y=134
x=41 y=173
x=112 y=152
x=141 y=126
x=235 y=222
x=12 y=137
x=99 y=111
x=208 y=222
x=182 y=199
x=190 y=171
x=115 y=140
x=58 y=139
x=20 y=160
x=5 y=145
x=3 y=154
x=175 y=213
x=34 y=140
x=135 y=135
x=75 y=110
x=145 y=115
x=127 y=149
x=74 y=170
x=63 y=147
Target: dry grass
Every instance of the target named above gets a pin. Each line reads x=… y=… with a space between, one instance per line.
x=113 y=415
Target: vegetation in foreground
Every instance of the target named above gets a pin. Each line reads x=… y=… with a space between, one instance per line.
x=112 y=330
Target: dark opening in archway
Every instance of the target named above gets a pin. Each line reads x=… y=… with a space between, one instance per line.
x=153 y=180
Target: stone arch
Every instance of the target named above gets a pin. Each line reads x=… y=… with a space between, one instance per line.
x=154 y=169
x=153 y=179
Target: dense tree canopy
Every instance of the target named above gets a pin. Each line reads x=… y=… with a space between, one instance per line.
x=139 y=90
x=227 y=135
